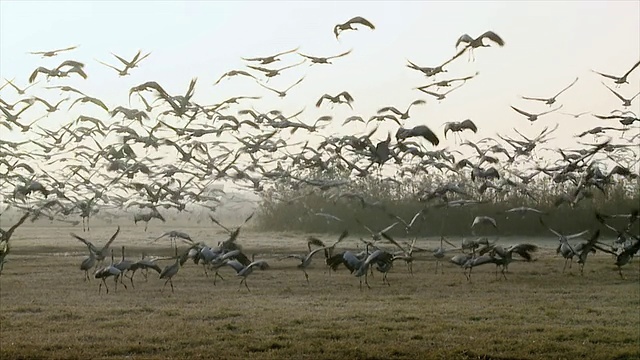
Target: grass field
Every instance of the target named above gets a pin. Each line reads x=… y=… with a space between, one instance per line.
x=48 y=311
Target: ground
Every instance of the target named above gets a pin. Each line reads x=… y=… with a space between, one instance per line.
x=538 y=312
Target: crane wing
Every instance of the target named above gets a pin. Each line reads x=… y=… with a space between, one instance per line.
x=567 y=88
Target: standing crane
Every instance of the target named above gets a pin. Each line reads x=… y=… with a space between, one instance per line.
x=244 y=271
x=88 y=263
x=170 y=271
x=107 y=271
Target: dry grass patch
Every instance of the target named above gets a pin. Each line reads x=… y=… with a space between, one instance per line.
x=48 y=311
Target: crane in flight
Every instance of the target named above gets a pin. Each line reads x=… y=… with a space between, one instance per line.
x=52 y=53
x=550 y=101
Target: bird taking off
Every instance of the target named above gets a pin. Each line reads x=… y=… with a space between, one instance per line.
x=472 y=43
x=460 y=126
x=420 y=130
x=477 y=42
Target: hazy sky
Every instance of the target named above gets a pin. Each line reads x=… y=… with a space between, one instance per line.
x=548 y=44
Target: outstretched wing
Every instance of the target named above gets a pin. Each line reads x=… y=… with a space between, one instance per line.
x=86 y=242
x=606 y=75
x=325 y=96
x=614 y=92
x=361 y=20
x=468 y=124
x=219 y=224
x=465 y=38
x=113 y=237
x=493 y=37
x=550 y=111
x=521 y=112
x=336 y=56
x=391 y=240
x=248 y=218
x=365 y=226
x=286 y=52
x=550 y=229
x=532 y=98
x=633 y=68
x=567 y=88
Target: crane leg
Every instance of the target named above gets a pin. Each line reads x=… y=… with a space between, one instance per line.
x=565 y=265
x=171 y=283
x=306 y=276
x=216 y=275
x=123 y=284
x=105 y=286
x=165 y=284
x=131 y=279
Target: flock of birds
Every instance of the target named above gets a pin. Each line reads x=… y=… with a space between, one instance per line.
x=92 y=164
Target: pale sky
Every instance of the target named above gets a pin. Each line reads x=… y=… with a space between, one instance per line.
x=548 y=44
